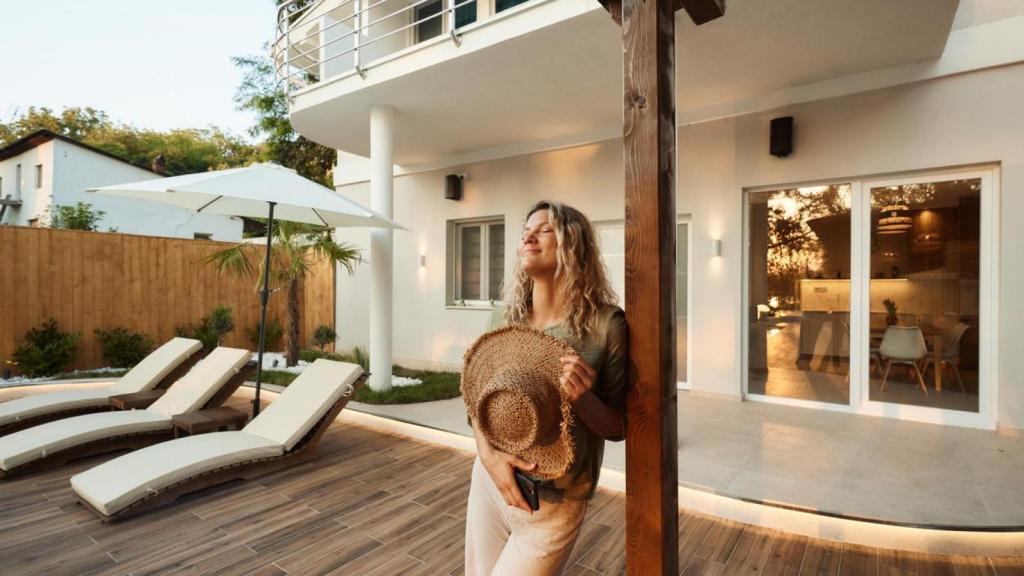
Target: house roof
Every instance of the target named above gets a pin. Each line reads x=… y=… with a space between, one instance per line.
x=43 y=136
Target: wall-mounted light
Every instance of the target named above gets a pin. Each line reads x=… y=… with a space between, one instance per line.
x=716 y=247
x=423 y=260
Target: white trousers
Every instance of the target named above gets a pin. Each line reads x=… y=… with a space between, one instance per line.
x=502 y=540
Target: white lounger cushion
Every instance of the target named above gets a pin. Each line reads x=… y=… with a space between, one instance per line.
x=36 y=442
x=157 y=364
x=195 y=389
x=31 y=406
x=186 y=395
x=146 y=375
x=304 y=402
x=113 y=485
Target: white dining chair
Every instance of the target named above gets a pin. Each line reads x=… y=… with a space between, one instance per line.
x=903 y=345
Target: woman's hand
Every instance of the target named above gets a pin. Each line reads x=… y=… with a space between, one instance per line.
x=500 y=466
x=577 y=377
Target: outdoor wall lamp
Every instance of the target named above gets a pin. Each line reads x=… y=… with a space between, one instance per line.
x=716 y=247
x=423 y=260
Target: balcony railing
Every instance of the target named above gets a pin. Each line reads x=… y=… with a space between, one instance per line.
x=321 y=39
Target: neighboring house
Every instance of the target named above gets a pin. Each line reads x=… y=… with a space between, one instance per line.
x=45 y=169
x=904 y=182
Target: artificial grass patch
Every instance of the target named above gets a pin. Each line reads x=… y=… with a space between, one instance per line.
x=435 y=386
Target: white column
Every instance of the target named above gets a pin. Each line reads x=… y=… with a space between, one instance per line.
x=381 y=245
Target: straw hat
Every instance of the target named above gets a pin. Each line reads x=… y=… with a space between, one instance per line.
x=510 y=386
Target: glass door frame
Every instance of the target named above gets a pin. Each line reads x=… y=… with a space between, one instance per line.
x=745 y=301
x=685 y=219
x=988 y=283
x=860 y=283
x=680 y=219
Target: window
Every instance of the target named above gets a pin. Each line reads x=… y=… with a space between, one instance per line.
x=39 y=176
x=430 y=22
x=502 y=5
x=202 y=236
x=17 y=182
x=476 y=261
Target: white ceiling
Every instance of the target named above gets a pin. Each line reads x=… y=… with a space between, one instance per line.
x=566 y=78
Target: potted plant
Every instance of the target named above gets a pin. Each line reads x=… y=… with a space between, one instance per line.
x=890 y=312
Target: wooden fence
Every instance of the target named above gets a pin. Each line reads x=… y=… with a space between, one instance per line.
x=95 y=280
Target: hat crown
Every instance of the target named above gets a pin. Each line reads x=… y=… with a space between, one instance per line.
x=519 y=409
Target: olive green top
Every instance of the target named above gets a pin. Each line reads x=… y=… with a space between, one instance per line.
x=606 y=350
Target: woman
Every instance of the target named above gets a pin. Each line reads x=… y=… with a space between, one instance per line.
x=560 y=287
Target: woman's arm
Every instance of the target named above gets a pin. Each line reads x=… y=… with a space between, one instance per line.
x=500 y=465
x=602 y=419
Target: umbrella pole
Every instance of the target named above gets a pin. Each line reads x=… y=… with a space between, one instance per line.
x=264 y=298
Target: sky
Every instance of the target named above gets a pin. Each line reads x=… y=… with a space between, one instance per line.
x=152 y=64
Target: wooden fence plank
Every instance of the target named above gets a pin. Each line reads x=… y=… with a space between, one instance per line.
x=89 y=280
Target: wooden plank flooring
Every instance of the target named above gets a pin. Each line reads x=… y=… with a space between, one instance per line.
x=379 y=504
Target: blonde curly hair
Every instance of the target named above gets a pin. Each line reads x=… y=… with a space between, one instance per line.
x=581 y=274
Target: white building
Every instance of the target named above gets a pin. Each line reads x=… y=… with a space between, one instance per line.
x=45 y=169
x=905 y=183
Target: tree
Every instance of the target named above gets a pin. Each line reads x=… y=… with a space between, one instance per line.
x=81 y=216
x=323 y=336
x=296 y=247
x=185 y=151
x=259 y=93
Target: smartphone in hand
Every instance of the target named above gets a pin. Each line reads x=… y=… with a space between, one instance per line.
x=529 y=487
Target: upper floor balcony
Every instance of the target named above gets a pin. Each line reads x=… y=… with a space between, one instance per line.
x=469 y=76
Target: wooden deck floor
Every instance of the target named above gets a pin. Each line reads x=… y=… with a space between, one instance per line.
x=379 y=504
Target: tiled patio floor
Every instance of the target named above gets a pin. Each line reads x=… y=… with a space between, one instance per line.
x=375 y=503
x=846 y=464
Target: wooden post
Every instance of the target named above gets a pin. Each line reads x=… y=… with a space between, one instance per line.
x=649 y=131
x=649 y=134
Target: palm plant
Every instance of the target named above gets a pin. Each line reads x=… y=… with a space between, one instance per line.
x=296 y=247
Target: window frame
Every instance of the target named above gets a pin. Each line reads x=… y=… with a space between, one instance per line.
x=39 y=176
x=454 y=261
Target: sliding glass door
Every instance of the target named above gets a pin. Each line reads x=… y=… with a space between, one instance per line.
x=799 y=294
x=873 y=296
x=925 y=320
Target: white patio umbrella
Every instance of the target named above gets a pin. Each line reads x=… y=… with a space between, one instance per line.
x=256 y=191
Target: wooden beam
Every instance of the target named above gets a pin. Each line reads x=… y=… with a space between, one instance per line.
x=702 y=11
x=649 y=133
x=614 y=7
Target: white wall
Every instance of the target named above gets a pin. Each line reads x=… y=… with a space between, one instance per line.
x=78 y=169
x=426 y=332
x=33 y=200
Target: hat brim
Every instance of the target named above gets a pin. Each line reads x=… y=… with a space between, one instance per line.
x=522 y=344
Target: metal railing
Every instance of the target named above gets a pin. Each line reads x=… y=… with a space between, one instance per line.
x=320 y=39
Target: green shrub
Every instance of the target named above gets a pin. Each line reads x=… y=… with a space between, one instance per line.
x=45 y=350
x=362 y=357
x=324 y=335
x=123 y=348
x=211 y=329
x=81 y=216
x=272 y=339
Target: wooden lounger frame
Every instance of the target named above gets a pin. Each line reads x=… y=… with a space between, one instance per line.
x=124 y=442
x=163 y=384
x=303 y=451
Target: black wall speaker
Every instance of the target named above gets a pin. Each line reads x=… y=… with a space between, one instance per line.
x=453 y=187
x=781 y=144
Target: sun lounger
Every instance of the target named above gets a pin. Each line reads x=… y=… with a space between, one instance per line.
x=283 y=434
x=208 y=384
x=159 y=369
